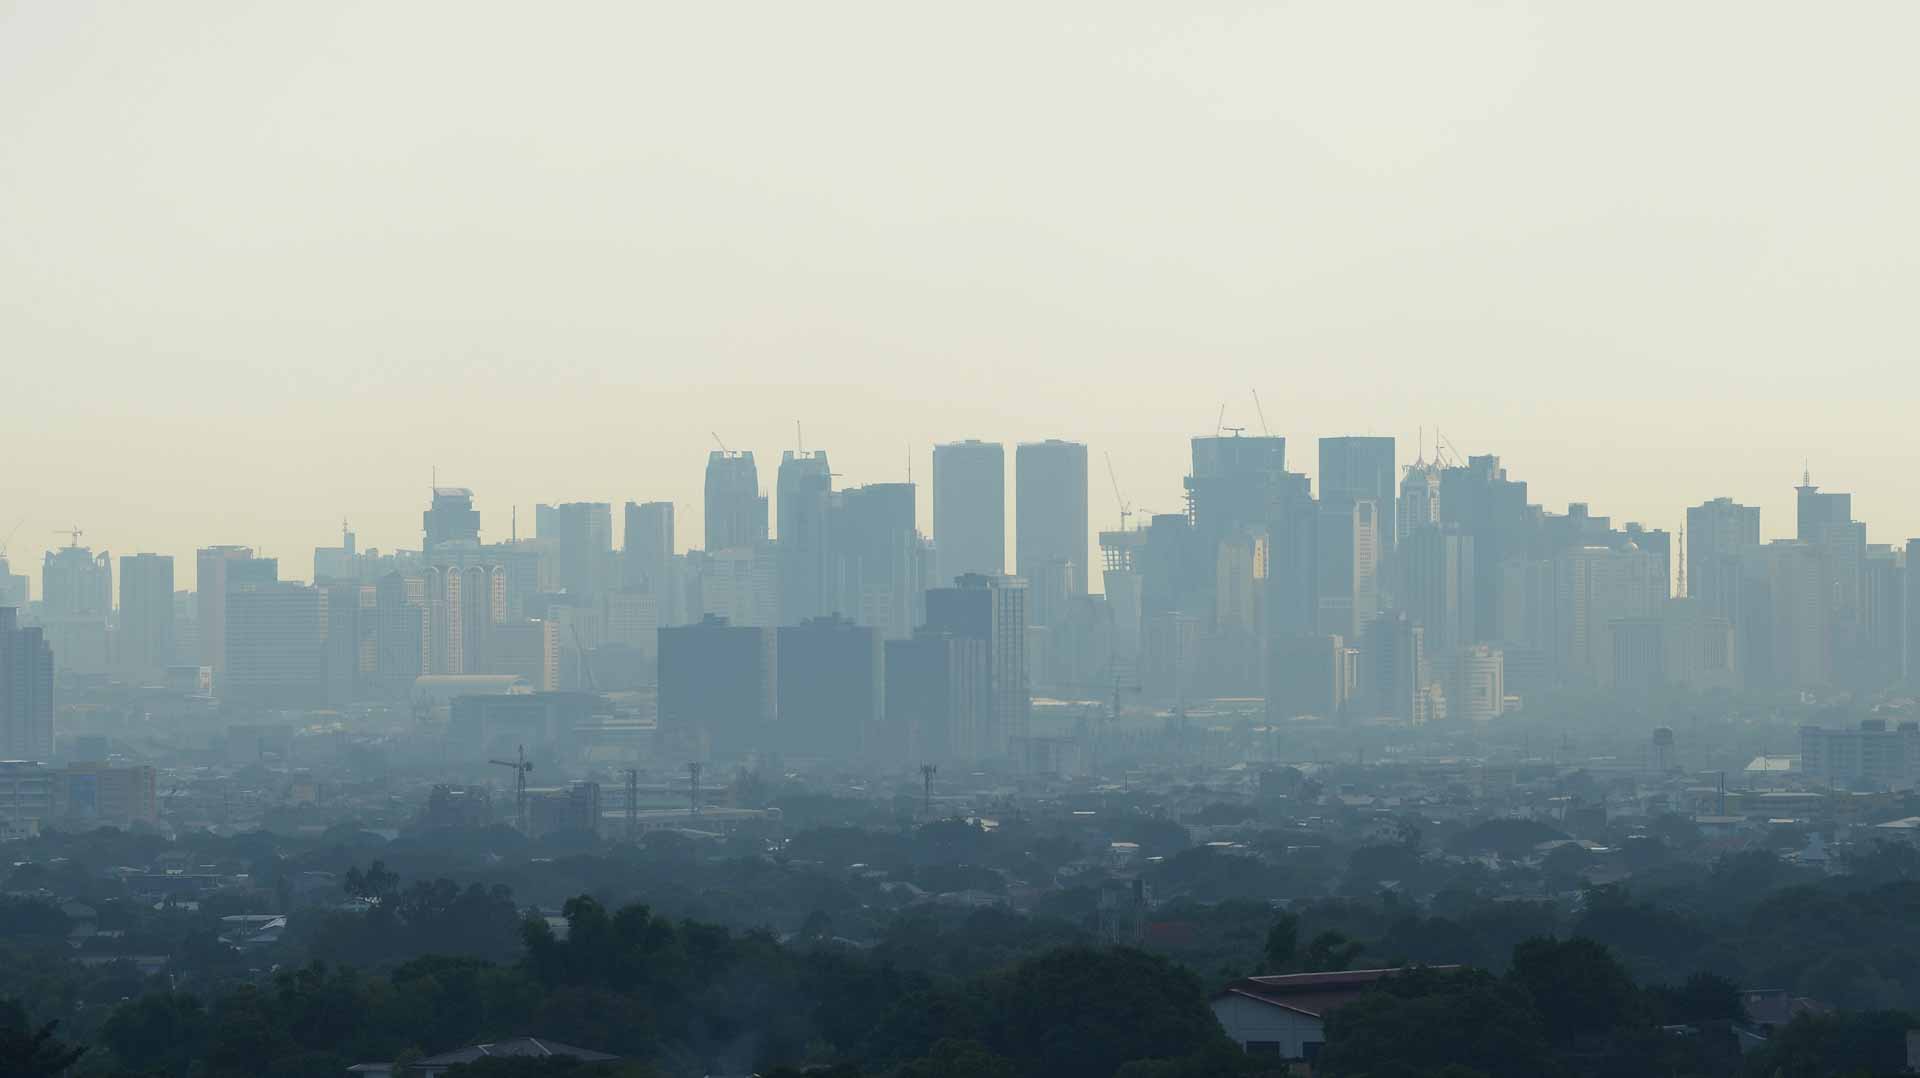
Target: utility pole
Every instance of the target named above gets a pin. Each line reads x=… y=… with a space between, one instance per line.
x=927 y=771
x=520 y=768
x=693 y=787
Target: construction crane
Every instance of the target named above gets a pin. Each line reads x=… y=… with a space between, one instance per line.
x=520 y=768
x=927 y=772
x=1261 y=412
x=1126 y=507
x=586 y=668
x=10 y=533
x=73 y=535
x=721 y=444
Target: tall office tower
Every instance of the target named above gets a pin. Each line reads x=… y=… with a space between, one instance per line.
x=939 y=697
x=1818 y=509
x=1910 y=640
x=717 y=687
x=451 y=518
x=219 y=571
x=647 y=548
x=1235 y=484
x=1394 y=661
x=348 y=653
x=970 y=509
x=146 y=612
x=805 y=498
x=831 y=688
x=400 y=635
x=1362 y=468
x=1347 y=561
x=740 y=584
x=528 y=648
x=1876 y=655
x=992 y=609
x=464 y=604
x=1050 y=514
x=1716 y=532
x=26 y=691
x=1437 y=587
x=76 y=600
x=1596 y=586
x=1419 y=500
x=1306 y=675
x=16 y=589
x=276 y=645
x=1482 y=502
x=1477 y=691
x=879 y=560
x=583 y=538
x=75 y=583
x=736 y=510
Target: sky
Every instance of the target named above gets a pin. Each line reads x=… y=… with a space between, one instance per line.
x=267 y=267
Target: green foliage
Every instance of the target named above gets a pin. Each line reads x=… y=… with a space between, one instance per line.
x=27 y=1051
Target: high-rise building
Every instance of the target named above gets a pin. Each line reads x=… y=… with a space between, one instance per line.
x=1419 y=505
x=146 y=612
x=1436 y=585
x=1236 y=484
x=276 y=637
x=1477 y=691
x=832 y=688
x=401 y=634
x=992 y=609
x=970 y=509
x=1717 y=531
x=1306 y=675
x=451 y=518
x=220 y=571
x=1596 y=586
x=1362 y=468
x=1347 y=561
x=736 y=511
x=1482 y=502
x=1050 y=514
x=717 y=687
x=26 y=691
x=879 y=561
x=647 y=548
x=16 y=589
x=740 y=584
x=1817 y=509
x=1394 y=663
x=583 y=546
x=805 y=499
x=529 y=648
x=1910 y=646
x=76 y=600
x=939 y=697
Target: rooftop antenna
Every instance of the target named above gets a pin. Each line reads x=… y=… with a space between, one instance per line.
x=1261 y=412
x=514 y=514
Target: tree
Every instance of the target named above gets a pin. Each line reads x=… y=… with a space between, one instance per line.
x=1575 y=984
x=1283 y=942
x=1080 y=1012
x=1428 y=1022
x=30 y=1052
x=375 y=885
x=1330 y=952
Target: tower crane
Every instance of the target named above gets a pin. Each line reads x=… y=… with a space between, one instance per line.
x=1126 y=507
x=520 y=768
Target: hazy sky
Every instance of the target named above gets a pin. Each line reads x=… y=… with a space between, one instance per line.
x=264 y=266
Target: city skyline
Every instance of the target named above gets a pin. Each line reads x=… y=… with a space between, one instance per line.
x=397 y=526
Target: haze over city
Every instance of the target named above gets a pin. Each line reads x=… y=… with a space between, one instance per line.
x=872 y=540
x=257 y=259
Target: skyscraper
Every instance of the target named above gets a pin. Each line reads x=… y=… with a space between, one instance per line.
x=717 y=689
x=276 y=644
x=1362 y=467
x=583 y=545
x=451 y=518
x=220 y=570
x=146 y=612
x=736 y=511
x=26 y=691
x=1436 y=586
x=1050 y=515
x=1818 y=509
x=970 y=509
x=648 y=548
x=831 y=688
x=1716 y=531
x=879 y=559
x=1347 y=564
x=76 y=599
x=805 y=490
x=1419 y=504
x=992 y=610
